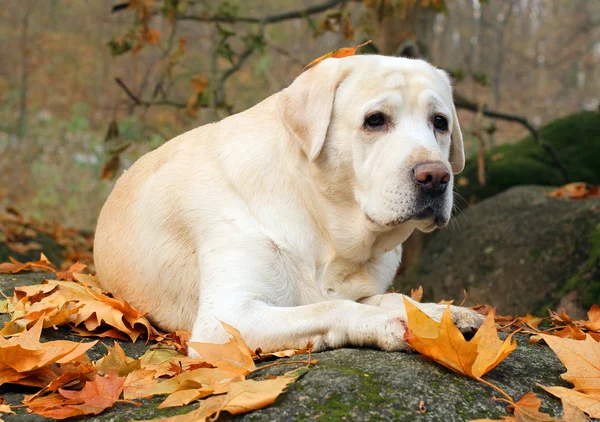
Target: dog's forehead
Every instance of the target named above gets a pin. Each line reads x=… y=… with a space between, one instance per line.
x=382 y=73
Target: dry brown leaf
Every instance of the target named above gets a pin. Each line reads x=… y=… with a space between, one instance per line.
x=582 y=360
x=184 y=397
x=95 y=397
x=416 y=294
x=207 y=408
x=15 y=266
x=337 y=54
x=444 y=343
x=5 y=408
x=22 y=354
x=250 y=395
x=117 y=362
x=233 y=356
x=587 y=403
x=68 y=275
x=213 y=379
x=77 y=303
x=577 y=190
x=527 y=409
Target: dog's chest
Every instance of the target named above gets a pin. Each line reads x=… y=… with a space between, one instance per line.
x=302 y=281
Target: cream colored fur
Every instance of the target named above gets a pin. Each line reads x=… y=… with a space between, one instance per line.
x=286 y=220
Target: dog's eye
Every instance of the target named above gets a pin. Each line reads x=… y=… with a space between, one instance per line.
x=375 y=121
x=440 y=123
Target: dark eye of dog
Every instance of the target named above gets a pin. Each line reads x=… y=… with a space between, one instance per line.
x=375 y=121
x=440 y=123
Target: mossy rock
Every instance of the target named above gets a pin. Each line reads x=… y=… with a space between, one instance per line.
x=521 y=251
x=347 y=384
x=576 y=139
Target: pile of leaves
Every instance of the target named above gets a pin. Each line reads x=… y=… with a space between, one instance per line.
x=576 y=343
x=72 y=385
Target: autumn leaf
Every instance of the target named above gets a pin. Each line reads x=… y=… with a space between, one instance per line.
x=117 y=362
x=337 y=54
x=5 y=408
x=577 y=190
x=95 y=397
x=233 y=356
x=23 y=358
x=15 y=266
x=527 y=409
x=416 y=294
x=444 y=343
x=68 y=275
x=582 y=360
x=77 y=303
x=587 y=403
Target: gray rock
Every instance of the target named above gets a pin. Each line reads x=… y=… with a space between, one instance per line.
x=352 y=384
x=521 y=251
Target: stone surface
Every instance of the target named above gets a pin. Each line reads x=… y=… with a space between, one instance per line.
x=350 y=384
x=521 y=251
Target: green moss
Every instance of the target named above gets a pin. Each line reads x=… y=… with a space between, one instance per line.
x=336 y=407
x=576 y=139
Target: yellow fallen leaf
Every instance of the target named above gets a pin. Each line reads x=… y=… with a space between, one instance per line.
x=589 y=404
x=250 y=395
x=444 y=343
x=184 y=397
x=582 y=360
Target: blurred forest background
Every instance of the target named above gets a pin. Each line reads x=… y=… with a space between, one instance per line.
x=86 y=87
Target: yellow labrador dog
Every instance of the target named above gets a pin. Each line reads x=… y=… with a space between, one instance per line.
x=286 y=220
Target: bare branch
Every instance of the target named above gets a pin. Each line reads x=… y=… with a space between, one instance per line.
x=465 y=104
x=130 y=94
x=280 y=17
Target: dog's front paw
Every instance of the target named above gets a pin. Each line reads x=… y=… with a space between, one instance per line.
x=392 y=337
x=467 y=320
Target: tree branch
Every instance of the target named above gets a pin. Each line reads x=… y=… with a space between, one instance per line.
x=294 y=14
x=461 y=102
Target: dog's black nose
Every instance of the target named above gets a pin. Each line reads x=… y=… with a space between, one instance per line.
x=432 y=177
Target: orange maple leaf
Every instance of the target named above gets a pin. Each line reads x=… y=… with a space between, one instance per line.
x=444 y=343
x=233 y=356
x=582 y=360
x=337 y=54
x=23 y=358
x=95 y=397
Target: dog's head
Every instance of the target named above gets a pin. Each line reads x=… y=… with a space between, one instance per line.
x=382 y=132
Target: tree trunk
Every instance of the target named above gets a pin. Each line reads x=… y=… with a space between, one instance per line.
x=22 y=120
x=407 y=32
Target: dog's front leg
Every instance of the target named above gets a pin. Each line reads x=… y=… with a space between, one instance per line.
x=325 y=325
x=465 y=319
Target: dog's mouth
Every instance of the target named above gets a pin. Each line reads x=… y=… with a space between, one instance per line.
x=430 y=218
x=426 y=219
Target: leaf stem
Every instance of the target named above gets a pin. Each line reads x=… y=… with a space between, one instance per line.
x=498 y=389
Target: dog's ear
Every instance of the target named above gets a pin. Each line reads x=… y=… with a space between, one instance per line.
x=457 y=151
x=305 y=107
